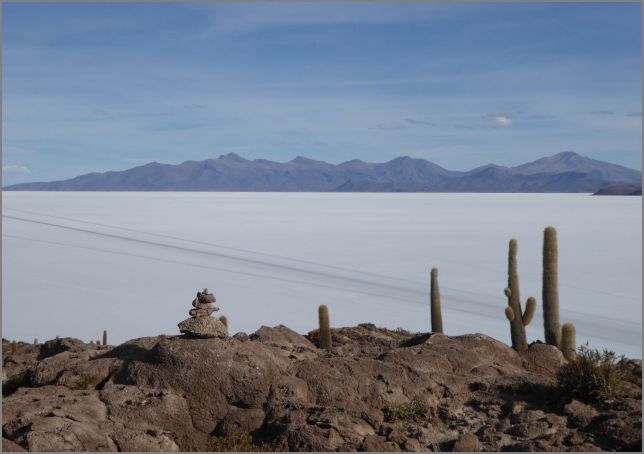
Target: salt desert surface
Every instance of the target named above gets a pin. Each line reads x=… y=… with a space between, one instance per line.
x=77 y=263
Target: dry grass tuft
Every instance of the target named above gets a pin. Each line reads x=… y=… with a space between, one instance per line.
x=594 y=376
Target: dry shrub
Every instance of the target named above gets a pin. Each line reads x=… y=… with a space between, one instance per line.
x=593 y=376
x=414 y=411
x=236 y=443
x=85 y=382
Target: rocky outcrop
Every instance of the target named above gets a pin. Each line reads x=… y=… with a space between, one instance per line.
x=376 y=390
x=201 y=324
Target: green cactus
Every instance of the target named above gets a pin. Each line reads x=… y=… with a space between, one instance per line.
x=530 y=309
x=435 y=295
x=550 y=291
x=325 y=328
x=104 y=337
x=569 y=341
x=518 y=319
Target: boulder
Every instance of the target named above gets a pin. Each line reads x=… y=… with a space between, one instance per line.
x=56 y=346
x=467 y=443
x=54 y=418
x=579 y=413
x=286 y=341
x=203 y=327
x=10 y=446
x=543 y=359
x=200 y=312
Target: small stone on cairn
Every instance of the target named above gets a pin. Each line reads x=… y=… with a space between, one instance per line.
x=201 y=324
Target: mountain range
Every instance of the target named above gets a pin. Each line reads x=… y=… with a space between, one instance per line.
x=562 y=172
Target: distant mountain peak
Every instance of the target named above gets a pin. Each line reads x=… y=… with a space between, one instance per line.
x=567 y=156
x=303 y=160
x=402 y=158
x=232 y=157
x=564 y=172
x=354 y=161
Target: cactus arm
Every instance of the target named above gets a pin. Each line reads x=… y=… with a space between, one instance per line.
x=509 y=313
x=530 y=308
x=569 y=341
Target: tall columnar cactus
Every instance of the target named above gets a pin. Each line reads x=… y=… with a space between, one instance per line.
x=14 y=347
x=550 y=289
x=325 y=328
x=569 y=341
x=437 y=318
x=518 y=319
x=36 y=341
x=104 y=337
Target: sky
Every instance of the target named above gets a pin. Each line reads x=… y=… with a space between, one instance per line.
x=98 y=87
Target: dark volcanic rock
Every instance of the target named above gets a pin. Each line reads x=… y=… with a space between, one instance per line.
x=620 y=189
x=376 y=390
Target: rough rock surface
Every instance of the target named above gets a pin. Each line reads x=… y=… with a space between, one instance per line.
x=376 y=390
x=203 y=327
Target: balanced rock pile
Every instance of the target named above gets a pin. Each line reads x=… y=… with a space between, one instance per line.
x=201 y=324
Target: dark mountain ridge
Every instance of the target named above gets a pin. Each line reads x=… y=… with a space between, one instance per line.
x=563 y=172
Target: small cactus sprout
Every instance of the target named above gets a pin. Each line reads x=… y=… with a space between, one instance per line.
x=435 y=295
x=98 y=342
x=223 y=319
x=550 y=290
x=518 y=319
x=569 y=341
x=509 y=313
x=104 y=337
x=14 y=347
x=325 y=328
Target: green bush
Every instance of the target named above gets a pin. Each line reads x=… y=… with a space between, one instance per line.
x=401 y=333
x=594 y=375
x=236 y=443
x=85 y=382
x=414 y=411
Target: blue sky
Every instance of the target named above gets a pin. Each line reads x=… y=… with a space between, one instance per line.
x=96 y=87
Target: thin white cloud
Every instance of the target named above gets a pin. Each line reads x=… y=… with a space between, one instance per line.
x=14 y=168
x=16 y=151
x=241 y=18
x=413 y=121
x=396 y=126
x=498 y=120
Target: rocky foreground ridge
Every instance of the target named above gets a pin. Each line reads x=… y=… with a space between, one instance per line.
x=376 y=390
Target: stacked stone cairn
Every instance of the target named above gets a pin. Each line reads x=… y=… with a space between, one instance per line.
x=201 y=324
